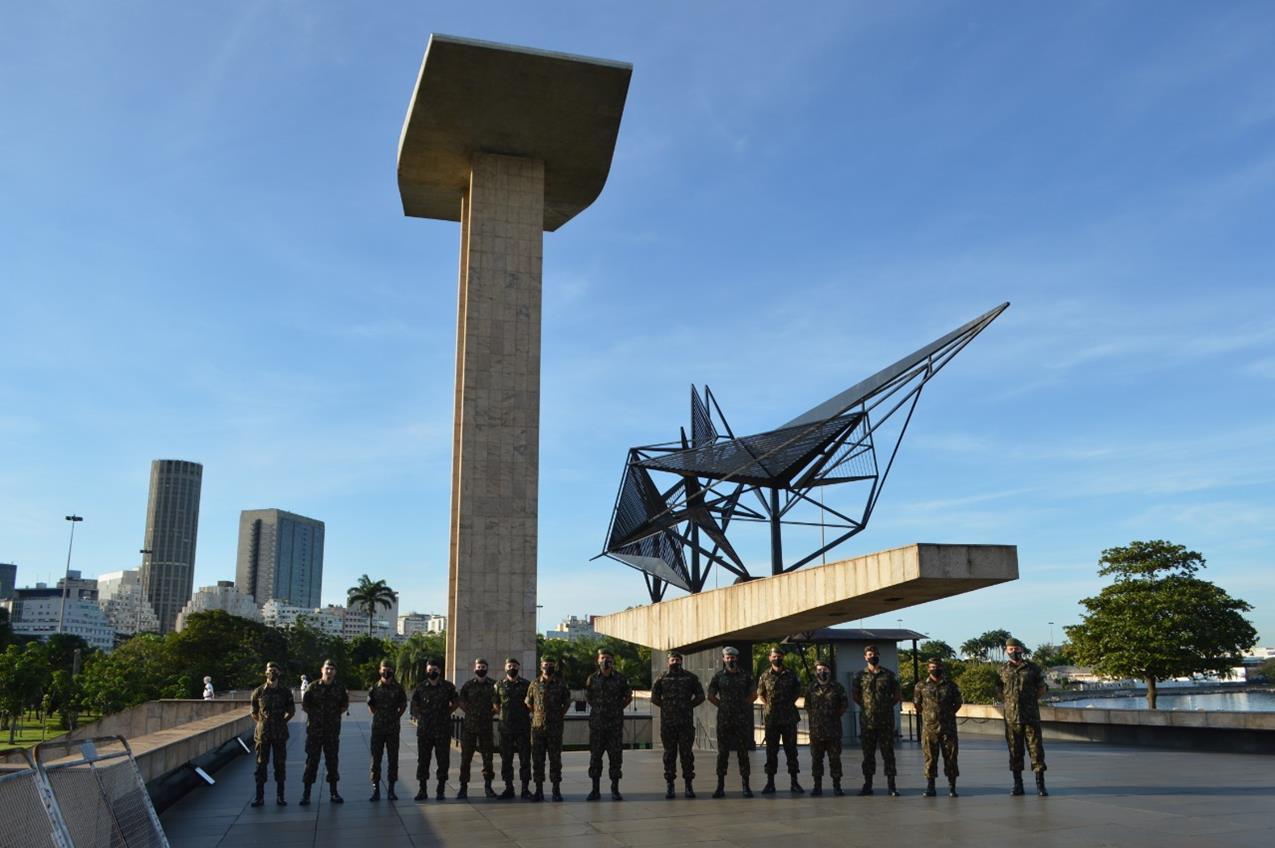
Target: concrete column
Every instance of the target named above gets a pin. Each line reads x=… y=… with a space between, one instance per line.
x=491 y=604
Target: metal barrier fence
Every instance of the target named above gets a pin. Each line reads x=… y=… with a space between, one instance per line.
x=98 y=793
x=27 y=817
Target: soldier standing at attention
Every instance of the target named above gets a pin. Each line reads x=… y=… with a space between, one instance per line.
x=272 y=708
x=779 y=690
x=937 y=699
x=386 y=700
x=323 y=702
x=732 y=691
x=548 y=698
x=826 y=703
x=433 y=702
x=876 y=691
x=515 y=728
x=478 y=700
x=607 y=693
x=677 y=693
x=1019 y=686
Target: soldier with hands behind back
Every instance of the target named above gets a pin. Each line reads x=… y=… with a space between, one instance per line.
x=478 y=700
x=876 y=690
x=548 y=698
x=607 y=693
x=433 y=701
x=324 y=702
x=386 y=701
x=826 y=703
x=1019 y=686
x=677 y=693
x=937 y=699
x=779 y=689
x=272 y=708
x=732 y=691
x=515 y=728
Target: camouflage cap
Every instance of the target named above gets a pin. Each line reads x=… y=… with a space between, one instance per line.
x=871 y=649
x=274 y=665
x=728 y=651
x=327 y=663
x=1011 y=642
x=387 y=664
x=513 y=660
x=480 y=661
x=677 y=654
x=934 y=661
x=823 y=663
x=434 y=661
x=605 y=652
x=553 y=660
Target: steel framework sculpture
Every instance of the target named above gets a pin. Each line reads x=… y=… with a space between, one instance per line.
x=675 y=534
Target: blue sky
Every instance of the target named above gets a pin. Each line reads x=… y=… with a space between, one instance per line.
x=203 y=256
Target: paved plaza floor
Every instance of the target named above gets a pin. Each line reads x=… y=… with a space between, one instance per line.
x=1100 y=796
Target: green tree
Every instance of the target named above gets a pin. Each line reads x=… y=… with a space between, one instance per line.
x=232 y=650
x=1266 y=671
x=367 y=595
x=988 y=646
x=937 y=648
x=1048 y=655
x=415 y=650
x=139 y=670
x=1158 y=620
x=978 y=682
x=24 y=673
x=365 y=655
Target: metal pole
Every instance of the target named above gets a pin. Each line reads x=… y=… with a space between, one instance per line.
x=66 y=578
x=141 y=587
x=776 y=539
x=916 y=678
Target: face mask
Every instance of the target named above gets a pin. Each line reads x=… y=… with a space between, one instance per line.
x=432 y=673
x=1015 y=656
x=675 y=666
x=823 y=675
x=272 y=676
x=547 y=671
x=936 y=673
x=511 y=673
x=873 y=660
x=480 y=673
x=776 y=663
x=386 y=674
x=730 y=662
x=605 y=663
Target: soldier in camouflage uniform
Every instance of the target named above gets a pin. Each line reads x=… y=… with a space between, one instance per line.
x=386 y=700
x=548 y=698
x=779 y=689
x=732 y=691
x=1019 y=686
x=272 y=708
x=515 y=728
x=433 y=702
x=323 y=702
x=677 y=693
x=607 y=693
x=876 y=691
x=478 y=700
x=937 y=699
x=826 y=703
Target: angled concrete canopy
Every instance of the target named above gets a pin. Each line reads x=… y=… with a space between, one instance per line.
x=479 y=97
x=813 y=598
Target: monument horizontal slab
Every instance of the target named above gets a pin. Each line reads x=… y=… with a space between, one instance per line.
x=814 y=597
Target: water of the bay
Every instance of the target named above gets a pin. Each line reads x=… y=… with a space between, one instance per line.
x=1240 y=702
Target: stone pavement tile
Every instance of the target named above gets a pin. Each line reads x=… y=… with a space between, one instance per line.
x=521 y=831
x=670 y=836
x=590 y=840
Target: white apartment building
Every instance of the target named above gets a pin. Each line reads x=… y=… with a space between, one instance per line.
x=421 y=622
x=36 y=612
x=572 y=628
x=123 y=602
x=224 y=596
x=279 y=614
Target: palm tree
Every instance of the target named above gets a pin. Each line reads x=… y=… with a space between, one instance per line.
x=369 y=594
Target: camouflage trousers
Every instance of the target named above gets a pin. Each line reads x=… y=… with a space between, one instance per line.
x=1018 y=734
x=932 y=742
x=327 y=745
x=787 y=735
x=440 y=748
x=479 y=739
x=609 y=739
x=515 y=742
x=547 y=740
x=732 y=742
x=678 y=741
x=279 y=749
x=832 y=747
x=385 y=742
x=872 y=738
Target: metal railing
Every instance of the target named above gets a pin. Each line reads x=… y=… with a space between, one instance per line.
x=29 y=819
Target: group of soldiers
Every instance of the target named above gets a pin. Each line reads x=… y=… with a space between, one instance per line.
x=530 y=716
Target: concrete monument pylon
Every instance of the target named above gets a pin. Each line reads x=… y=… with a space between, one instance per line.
x=510 y=142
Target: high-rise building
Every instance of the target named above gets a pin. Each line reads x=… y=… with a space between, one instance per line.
x=172 y=525
x=8 y=580
x=280 y=557
x=120 y=595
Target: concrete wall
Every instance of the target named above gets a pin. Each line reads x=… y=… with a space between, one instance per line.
x=154 y=716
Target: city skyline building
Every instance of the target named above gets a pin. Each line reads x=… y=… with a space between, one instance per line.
x=8 y=580
x=421 y=622
x=280 y=557
x=124 y=603
x=172 y=530
x=37 y=611
x=225 y=596
x=329 y=621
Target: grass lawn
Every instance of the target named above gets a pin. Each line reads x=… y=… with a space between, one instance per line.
x=30 y=731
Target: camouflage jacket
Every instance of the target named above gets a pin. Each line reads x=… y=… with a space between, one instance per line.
x=548 y=701
x=937 y=702
x=1018 y=686
x=324 y=703
x=734 y=707
x=677 y=694
x=825 y=702
x=514 y=715
x=477 y=697
x=606 y=697
x=780 y=691
x=876 y=693
x=389 y=700
x=272 y=708
x=432 y=708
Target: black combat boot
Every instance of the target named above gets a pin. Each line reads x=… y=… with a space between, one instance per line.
x=836 y=787
x=487 y=790
x=817 y=790
x=670 y=793
x=720 y=791
x=463 y=792
x=260 y=797
x=690 y=790
x=278 y=798
x=951 y=789
x=540 y=792
x=1040 y=784
x=305 y=795
x=867 y=786
x=794 y=787
x=557 y=792
x=929 y=788
x=596 y=793
x=526 y=793
x=376 y=792
x=391 y=794
x=615 y=791
x=335 y=796
x=747 y=791
x=508 y=794
x=1018 y=784
x=422 y=794
x=438 y=791
x=891 y=788
x=769 y=788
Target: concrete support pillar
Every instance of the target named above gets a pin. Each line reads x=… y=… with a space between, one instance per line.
x=491 y=605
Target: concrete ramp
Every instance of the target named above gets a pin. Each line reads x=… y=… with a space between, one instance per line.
x=814 y=597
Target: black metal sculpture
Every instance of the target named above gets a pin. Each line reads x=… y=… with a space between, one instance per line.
x=675 y=535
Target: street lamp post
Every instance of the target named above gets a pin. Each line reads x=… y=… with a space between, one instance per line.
x=141 y=589
x=1051 y=634
x=66 y=578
